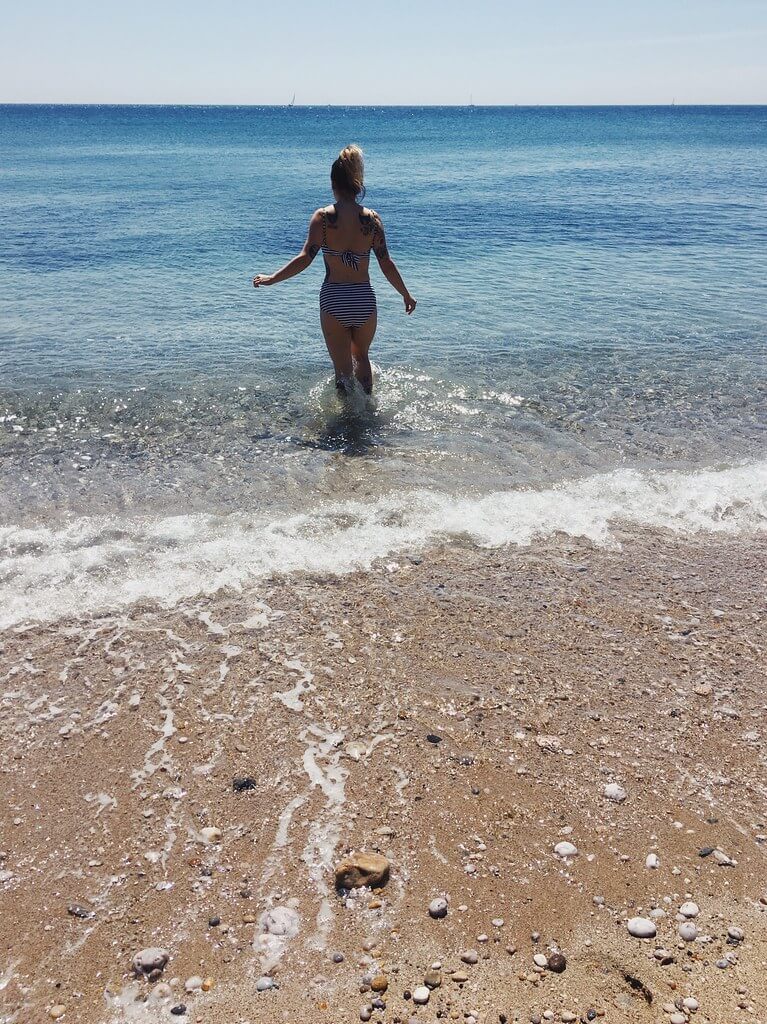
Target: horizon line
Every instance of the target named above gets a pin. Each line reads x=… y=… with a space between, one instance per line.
x=365 y=106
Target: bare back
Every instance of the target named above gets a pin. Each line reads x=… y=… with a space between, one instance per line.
x=349 y=234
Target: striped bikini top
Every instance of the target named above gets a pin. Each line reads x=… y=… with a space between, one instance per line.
x=348 y=257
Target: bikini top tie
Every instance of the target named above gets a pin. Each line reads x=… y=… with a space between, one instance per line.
x=348 y=257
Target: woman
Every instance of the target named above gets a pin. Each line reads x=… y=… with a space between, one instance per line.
x=347 y=233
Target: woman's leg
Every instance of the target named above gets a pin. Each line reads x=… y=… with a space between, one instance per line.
x=362 y=339
x=339 y=341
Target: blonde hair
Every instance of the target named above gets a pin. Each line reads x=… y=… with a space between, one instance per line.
x=347 y=175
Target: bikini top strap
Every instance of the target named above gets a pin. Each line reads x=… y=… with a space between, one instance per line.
x=324 y=229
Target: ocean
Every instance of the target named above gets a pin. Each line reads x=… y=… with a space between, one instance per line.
x=589 y=349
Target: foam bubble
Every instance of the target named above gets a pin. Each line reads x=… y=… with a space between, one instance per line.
x=90 y=565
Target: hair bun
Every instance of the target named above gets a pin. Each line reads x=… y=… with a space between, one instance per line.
x=348 y=171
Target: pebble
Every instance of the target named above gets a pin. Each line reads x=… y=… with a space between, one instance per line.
x=151 y=959
x=432 y=978
x=421 y=995
x=57 y=1011
x=338 y=958
x=653 y=861
x=264 y=983
x=689 y=909
x=677 y=1018
x=366 y=1012
x=438 y=907
x=208 y=984
x=459 y=977
x=214 y=922
x=565 y=849
x=735 y=934
x=433 y=738
x=688 y=931
x=691 y=1003
x=568 y=1017
x=210 y=834
x=178 y=1010
x=380 y=983
x=240 y=783
x=721 y=858
x=615 y=792
x=540 y=960
x=557 y=963
x=470 y=956
x=362 y=869
x=641 y=928
x=80 y=910
x=193 y=984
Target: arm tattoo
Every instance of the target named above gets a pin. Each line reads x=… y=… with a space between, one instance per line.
x=381 y=251
x=312 y=251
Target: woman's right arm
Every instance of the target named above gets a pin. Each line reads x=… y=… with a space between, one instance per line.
x=388 y=267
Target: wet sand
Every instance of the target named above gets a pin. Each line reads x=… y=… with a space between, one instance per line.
x=461 y=715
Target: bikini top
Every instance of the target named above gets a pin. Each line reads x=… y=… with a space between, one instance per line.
x=348 y=257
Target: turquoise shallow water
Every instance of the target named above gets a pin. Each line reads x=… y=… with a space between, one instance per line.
x=592 y=295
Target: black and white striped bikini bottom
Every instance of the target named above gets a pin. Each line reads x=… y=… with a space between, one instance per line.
x=350 y=303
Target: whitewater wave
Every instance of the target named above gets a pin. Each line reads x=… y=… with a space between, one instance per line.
x=100 y=564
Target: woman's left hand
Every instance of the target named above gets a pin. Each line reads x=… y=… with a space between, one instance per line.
x=260 y=279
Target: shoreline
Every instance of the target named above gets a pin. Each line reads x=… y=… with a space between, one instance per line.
x=460 y=713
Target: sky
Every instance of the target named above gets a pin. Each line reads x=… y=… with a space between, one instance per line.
x=392 y=51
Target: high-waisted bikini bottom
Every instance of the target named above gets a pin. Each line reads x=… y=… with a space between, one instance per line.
x=350 y=303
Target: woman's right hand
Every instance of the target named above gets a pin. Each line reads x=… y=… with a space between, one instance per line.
x=260 y=279
x=410 y=303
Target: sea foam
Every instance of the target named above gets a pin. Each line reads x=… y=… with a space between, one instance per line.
x=92 y=565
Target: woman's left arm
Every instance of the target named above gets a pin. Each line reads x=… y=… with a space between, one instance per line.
x=312 y=246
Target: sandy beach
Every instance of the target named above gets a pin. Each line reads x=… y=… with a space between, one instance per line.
x=188 y=779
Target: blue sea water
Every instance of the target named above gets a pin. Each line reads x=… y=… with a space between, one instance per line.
x=591 y=336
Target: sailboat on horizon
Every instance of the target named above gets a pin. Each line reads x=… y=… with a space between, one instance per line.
x=293 y=101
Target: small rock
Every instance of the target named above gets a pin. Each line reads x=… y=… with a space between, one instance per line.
x=551 y=744
x=240 y=783
x=361 y=869
x=540 y=960
x=264 y=983
x=470 y=956
x=80 y=910
x=459 y=977
x=705 y=851
x=57 y=1011
x=557 y=963
x=615 y=792
x=338 y=958
x=151 y=959
x=214 y=922
x=421 y=995
x=432 y=979
x=380 y=983
x=735 y=934
x=689 y=909
x=565 y=849
x=691 y=1003
x=653 y=861
x=688 y=931
x=193 y=984
x=366 y=1012
x=210 y=835
x=208 y=984
x=677 y=1018
x=433 y=738
x=641 y=928
x=721 y=858
x=438 y=907
x=178 y=1010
